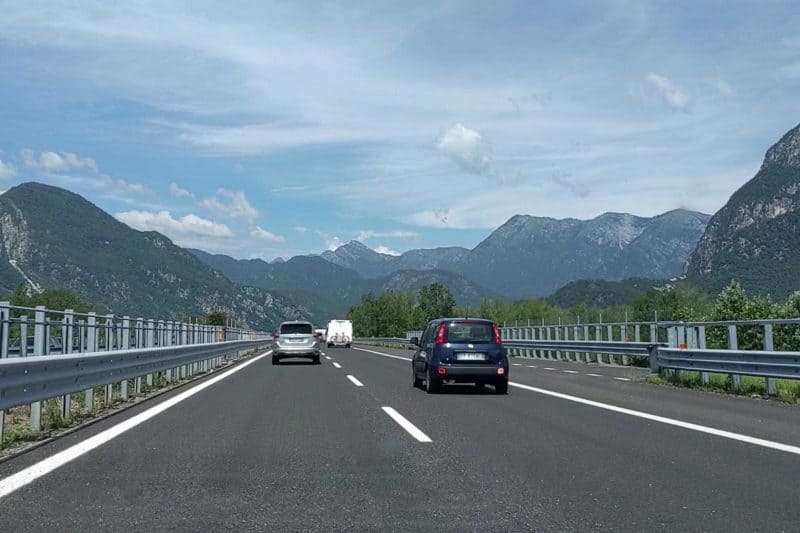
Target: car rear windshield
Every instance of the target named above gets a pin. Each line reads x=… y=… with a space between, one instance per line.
x=288 y=329
x=470 y=332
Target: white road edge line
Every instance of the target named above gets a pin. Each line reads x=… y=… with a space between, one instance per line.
x=383 y=354
x=337 y=365
x=664 y=420
x=355 y=381
x=30 y=474
x=403 y=422
x=788 y=448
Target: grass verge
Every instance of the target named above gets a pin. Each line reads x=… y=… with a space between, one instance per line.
x=788 y=390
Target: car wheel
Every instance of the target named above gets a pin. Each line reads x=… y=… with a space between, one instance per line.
x=432 y=385
x=501 y=387
x=347 y=346
x=316 y=359
x=478 y=386
x=415 y=381
x=275 y=360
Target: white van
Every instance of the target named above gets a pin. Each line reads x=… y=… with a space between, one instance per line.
x=339 y=333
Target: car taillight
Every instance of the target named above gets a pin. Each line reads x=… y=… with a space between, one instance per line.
x=276 y=336
x=498 y=339
x=440 y=334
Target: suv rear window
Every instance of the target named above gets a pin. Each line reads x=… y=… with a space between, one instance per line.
x=304 y=329
x=460 y=332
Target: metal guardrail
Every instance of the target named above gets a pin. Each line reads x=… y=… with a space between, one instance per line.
x=768 y=364
x=26 y=380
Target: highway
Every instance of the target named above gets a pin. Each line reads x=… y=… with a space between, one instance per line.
x=350 y=445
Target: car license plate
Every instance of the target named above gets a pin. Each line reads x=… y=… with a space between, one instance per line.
x=471 y=356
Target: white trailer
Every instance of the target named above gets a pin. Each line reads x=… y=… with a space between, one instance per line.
x=339 y=333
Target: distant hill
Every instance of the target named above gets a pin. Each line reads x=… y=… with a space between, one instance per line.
x=330 y=289
x=755 y=237
x=370 y=264
x=601 y=293
x=50 y=237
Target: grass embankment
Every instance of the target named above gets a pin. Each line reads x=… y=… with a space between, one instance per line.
x=787 y=390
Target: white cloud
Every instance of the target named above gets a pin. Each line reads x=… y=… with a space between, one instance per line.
x=674 y=96
x=723 y=87
x=366 y=234
x=466 y=148
x=180 y=230
x=126 y=186
x=790 y=71
x=576 y=189
x=264 y=235
x=386 y=251
x=57 y=161
x=236 y=206
x=300 y=229
x=179 y=192
x=7 y=170
x=333 y=243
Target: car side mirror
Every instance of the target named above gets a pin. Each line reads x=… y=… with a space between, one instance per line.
x=415 y=341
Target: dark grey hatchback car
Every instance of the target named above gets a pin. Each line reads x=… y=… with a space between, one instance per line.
x=460 y=350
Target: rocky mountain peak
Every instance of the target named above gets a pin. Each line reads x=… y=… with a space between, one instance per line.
x=785 y=152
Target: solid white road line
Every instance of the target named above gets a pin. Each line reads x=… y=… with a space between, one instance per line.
x=337 y=365
x=383 y=354
x=405 y=424
x=664 y=420
x=655 y=418
x=570 y=371
x=595 y=375
x=45 y=466
x=623 y=379
x=355 y=381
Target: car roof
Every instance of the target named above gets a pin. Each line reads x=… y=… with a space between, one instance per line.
x=296 y=322
x=463 y=319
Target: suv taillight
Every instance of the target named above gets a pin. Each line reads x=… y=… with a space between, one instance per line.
x=498 y=339
x=276 y=336
x=439 y=339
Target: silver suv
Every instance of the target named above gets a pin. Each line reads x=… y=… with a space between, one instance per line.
x=295 y=339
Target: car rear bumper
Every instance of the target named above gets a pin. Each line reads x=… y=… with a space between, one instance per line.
x=295 y=351
x=471 y=373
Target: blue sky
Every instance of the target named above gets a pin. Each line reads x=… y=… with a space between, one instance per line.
x=262 y=129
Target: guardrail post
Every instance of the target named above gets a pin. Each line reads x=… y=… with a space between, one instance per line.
x=139 y=344
x=150 y=338
x=654 y=333
x=38 y=350
x=91 y=346
x=184 y=341
x=169 y=342
x=557 y=336
x=586 y=338
x=769 y=345
x=5 y=320
x=623 y=332
x=125 y=344
x=637 y=333
x=109 y=347
x=733 y=344
x=705 y=377
x=67 y=332
x=655 y=367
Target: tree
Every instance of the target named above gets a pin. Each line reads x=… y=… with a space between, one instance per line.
x=436 y=301
x=217 y=318
x=53 y=299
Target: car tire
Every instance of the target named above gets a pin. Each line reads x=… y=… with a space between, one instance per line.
x=316 y=359
x=415 y=381
x=501 y=387
x=478 y=386
x=347 y=346
x=432 y=385
x=275 y=360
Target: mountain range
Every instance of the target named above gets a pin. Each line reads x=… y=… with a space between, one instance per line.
x=535 y=256
x=755 y=237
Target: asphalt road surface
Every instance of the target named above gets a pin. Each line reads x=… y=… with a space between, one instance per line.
x=350 y=445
